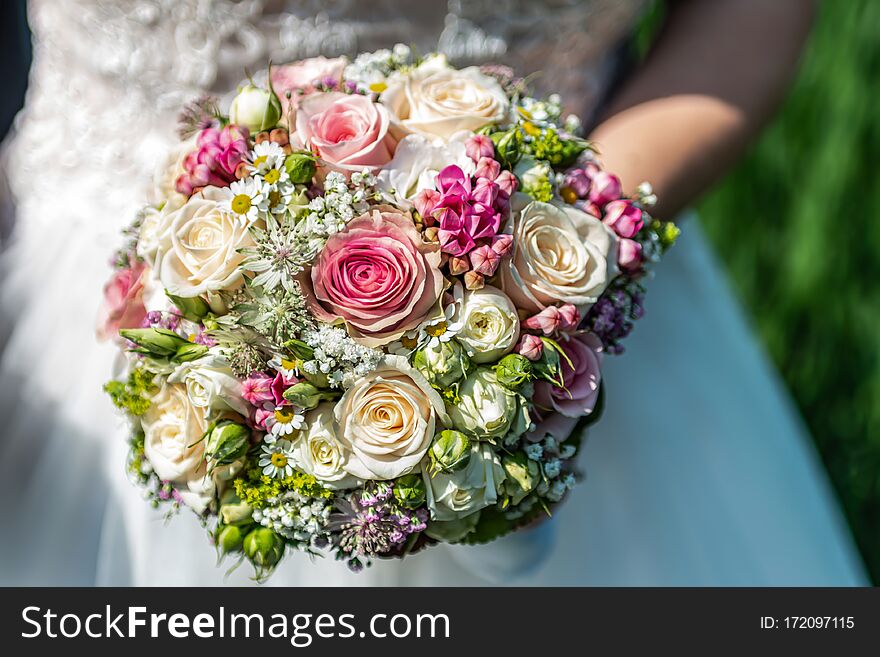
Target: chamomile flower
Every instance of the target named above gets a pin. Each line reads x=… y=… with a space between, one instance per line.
x=276 y=459
x=246 y=201
x=434 y=332
x=266 y=156
x=407 y=344
x=284 y=421
x=287 y=367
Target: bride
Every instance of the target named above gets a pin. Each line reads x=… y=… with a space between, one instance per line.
x=700 y=472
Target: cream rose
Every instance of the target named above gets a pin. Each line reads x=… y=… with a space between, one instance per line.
x=387 y=419
x=198 y=247
x=490 y=324
x=560 y=255
x=211 y=385
x=438 y=101
x=453 y=496
x=319 y=453
x=173 y=430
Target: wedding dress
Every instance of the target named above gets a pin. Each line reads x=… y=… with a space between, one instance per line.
x=699 y=473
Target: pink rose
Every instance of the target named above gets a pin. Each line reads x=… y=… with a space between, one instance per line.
x=581 y=378
x=123 y=305
x=302 y=78
x=347 y=131
x=378 y=276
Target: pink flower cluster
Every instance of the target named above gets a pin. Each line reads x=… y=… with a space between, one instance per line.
x=218 y=153
x=468 y=211
x=600 y=194
x=552 y=320
x=265 y=393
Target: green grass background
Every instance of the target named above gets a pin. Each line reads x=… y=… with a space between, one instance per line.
x=797 y=224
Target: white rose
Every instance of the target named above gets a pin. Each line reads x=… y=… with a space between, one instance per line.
x=490 y=324
x=256 y=109
x=173 y=430
x=488 y=410
x=387 y=419
x=148 y=234
x=461 y=493
x=164 y=187
x=438 y=101
x=416 y=163
x=560 y=255
x=198 y=247
x=318 y=452
x=211 y=385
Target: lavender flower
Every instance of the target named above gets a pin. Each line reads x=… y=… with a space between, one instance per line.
x=613 y=316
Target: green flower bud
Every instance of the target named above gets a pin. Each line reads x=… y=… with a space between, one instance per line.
x=230 y=539
x=157 y=342
x=513 y=371
x=307 y=395
x=522 y=476
x=409 y=491
x=256 y=109
x=236 y=513
x=264 y=548
x=450 y=451
x=301 y=167
x=443 y=364
x=227 y=442
x=192 y=308
x=508 y=146
x=299 y=349
x=189 y=352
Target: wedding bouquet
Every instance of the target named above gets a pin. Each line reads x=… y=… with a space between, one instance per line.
x=357 y=302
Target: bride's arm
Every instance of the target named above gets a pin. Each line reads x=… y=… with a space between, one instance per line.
x=715 y=75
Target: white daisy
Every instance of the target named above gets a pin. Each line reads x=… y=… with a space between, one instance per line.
x=284 y=420
x=441 y=329
x=266 y=156
x=275 y=459
x=407 y=344
x=246 y=201
x=287 y=367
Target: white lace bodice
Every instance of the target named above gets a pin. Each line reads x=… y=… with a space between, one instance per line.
x=109 y=76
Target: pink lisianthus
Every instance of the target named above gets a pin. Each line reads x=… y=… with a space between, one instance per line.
x=378 y=276
x=530 y=346
x=624 y=218
x=293 y=82
x=278 y=386
x=347 y=131
x=629 y=255
x=581 y=378
x=256 y=389
x=605 y=187
x=218 y=152
x=466 y=211
x=123 y=305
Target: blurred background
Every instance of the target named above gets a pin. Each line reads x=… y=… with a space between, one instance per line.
x=795 y=225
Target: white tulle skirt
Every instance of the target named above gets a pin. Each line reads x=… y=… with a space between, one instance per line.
x=700 y=473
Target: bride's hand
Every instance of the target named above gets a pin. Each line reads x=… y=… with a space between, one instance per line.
x=713 y=78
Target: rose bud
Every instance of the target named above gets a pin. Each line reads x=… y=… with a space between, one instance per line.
x=569 y=317
x=624 y=218
x=264 y=548
x=530 y=346
x=507 y=182
x=523 y=476
x=307 y=396
x=425 y=201
x=479 y=146
x=230 y=539
x=605 y=188
x=629 y=254
x=458 y=265
x=514 y=370
x=409 y=491
x=547 y=321
x=487 y=168
x=450 y=451
x=256 y=109
x=226 y=442
x=233 y=511
x=280 y=136
x=474 y=281
x=485 y=260
x=502 y=244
